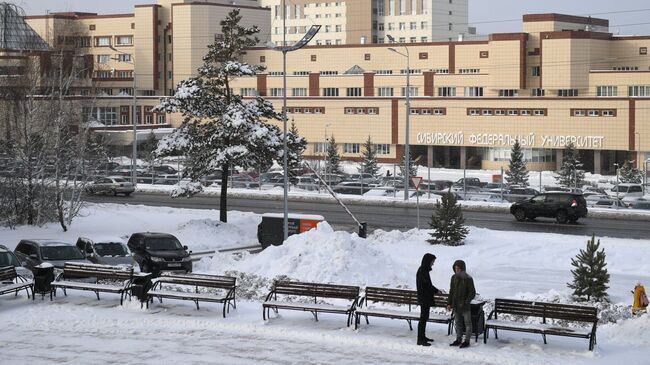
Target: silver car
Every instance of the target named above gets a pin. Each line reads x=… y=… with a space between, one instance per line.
x=107 y=251
x=8 y=258
x=112 y=185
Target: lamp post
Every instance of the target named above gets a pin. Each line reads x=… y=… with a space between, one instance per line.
x=616 y=166
x=407 y=154
x=284 y=48
x=325 y=149
x=134 y=151
x=638 y=149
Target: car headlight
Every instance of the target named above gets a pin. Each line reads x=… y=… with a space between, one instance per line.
x=157 y=259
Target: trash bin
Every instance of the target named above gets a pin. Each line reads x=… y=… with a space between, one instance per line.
x=478 y=318
x=43 y=278
x=141 y=285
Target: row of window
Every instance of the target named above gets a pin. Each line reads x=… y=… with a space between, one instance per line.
x=400 y=26
x=106 y=58
x=510 y=112
x=119 y=40
x=380 y=149
x=306 y=110
x=369 y=111
x=379 y=7
x=593 y=112
x=635 y=90
x=109 y=115
x=120 y=74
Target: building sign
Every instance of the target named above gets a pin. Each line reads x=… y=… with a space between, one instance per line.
x=507 y=140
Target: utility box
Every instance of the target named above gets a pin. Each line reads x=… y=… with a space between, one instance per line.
x=270 y=231
x=496 y=178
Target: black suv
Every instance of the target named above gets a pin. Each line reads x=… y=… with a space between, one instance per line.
x=560 y=205
x=156 y=252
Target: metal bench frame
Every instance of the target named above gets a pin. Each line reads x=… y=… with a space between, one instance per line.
x=106 y=272
x=403 y=297
x=226 y=283
x=311 y=290
x=544 y=310
x=9 y=273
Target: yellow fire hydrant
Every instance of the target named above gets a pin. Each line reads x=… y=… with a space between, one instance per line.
x=640 y=303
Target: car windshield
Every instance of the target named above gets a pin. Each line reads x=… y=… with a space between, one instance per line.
x=110 y=249
x=162 y=243
x=8 y=259
x=119 y=180
x=61 y=253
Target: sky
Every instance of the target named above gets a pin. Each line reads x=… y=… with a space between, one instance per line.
x=489 y=16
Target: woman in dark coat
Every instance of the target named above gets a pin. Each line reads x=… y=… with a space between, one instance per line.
x=426 y=291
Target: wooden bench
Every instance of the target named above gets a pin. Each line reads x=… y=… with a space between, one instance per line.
x=313 y=291
x=11 y=282
x=120 y=278
x=225 y=295
x=403 y=297
x=545 y=311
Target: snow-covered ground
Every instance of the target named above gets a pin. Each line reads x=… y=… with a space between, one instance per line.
x=81 y=330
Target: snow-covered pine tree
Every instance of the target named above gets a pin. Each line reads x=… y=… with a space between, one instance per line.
x=517 y=173
x=413 y=168
x=148 y=148
x=448 y=222
x=368 y=163
x=590 y=277
x=296 y=146
x=628 y=174
x=333 y=163
x=571 y=173
x=220 y=129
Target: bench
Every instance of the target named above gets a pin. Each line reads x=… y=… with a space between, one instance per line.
x=313 y=291
x=400 y=297
x=545 y=311
x=162 y=289
x=121 y=278
x=11 y=282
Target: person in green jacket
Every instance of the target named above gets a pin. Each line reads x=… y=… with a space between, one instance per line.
x=461 y=293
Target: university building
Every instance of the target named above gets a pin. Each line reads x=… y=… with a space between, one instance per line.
x=562 y=79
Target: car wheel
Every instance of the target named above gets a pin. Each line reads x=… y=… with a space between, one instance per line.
x=520 y=215
x=561 y=216
x=573 y=219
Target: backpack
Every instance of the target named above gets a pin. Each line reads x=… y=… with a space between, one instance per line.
x=643 y=300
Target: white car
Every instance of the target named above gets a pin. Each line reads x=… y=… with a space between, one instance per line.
x=626 y=191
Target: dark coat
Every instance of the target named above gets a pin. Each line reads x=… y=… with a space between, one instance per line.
x=461 y=289
x=425 y=288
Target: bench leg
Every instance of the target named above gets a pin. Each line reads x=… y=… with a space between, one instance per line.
x=263 y=313
x=410 y=326
x=544 y=337
x=97 y=293
x=449 y=328
x=356 y=321
x=197 y=304
x=485 y=334
x=367 y=322
x=224 y=309
x=496 y=335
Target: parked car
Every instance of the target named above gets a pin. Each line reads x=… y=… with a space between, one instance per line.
x=381 y=191
x=307 y=183
x=243 y=182
x=352 y=187
x=644 y=205
x=33 y=252
x=166 y=179
x=470 y=181
x=626 y=192
x=494 y=187
x=8 y=258
x=156 y=252
x=561 y=206
x=367 y=179
x=162 y=169
x=610 y=203
x=112 y=185
x=106 y=251
x=592 y=199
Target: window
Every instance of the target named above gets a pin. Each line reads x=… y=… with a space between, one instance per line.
x=349 y=110
x=331 y=91
x=567 y=92
x=592 y=113
x=329 y=73
x=469 y=71
x=301 y=73
x=170 y=75
x=608 y=113
x=124 y=40
x=83 y=42
x=606 y=90
x=124 y=74
x=487 y=112
x=391 y=7
x=513 y=112
x=440 y=70
x=126 y=91
x=447 y=91
x=499 y=112
x=384 y=91
x=402 y=26
x=276 y=73
x=578 y=113
x=537 y=92
x=299 y=91
x=524 y=112
x=473 y=112
x=373 y=111
x=320 y=147
x=424 y=39
x=353 y=91
x=535 y=71
x=505 y=93
x=539 y=112
x=413 y=91
x=103 y=58
x=339 y=28
x=382 y=149
x=276 y=91
x=625 y=68
x=473 y=91
x=384 y=72
x=248 y=91
x=439 y=111
x=161 y=118
x=423 y=25
x=104 y=115
x=638 y=90
x=102 y=41
x=413 y=25
x=351 y=148
x=124 y=57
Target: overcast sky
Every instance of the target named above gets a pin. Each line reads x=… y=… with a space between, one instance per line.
x=489 y=16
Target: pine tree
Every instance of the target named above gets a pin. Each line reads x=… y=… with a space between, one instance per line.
x=368 y=163
x=628 y=174
x=590 y=277
x=220 y=129
x=517 y=173
x=333 y=162
x=148 y=148
x=571 y=173
x=296 y=146
x=413 y=168
x=448 y=222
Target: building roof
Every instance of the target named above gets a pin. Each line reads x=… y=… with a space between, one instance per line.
x=15 y=34
x=565 y=18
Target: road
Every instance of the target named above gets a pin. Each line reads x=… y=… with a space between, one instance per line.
x=386 y=218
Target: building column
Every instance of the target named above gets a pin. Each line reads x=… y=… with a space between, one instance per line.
x=463 y=157
x=559 y=154
x=597 y=162
x=430 y=156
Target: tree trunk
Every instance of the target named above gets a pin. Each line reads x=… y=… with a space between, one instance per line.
x=223 y=206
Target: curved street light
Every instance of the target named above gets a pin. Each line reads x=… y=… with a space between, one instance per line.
x=134 y=152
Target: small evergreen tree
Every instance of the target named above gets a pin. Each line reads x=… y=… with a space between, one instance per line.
x=369 y=160
x=628 y=174
x=296 y=146
x=590 y=277
x=413 y=168
x=448 y=222
x=517 y=173
x=333 y=158
x=148 y=149
x=571 y=172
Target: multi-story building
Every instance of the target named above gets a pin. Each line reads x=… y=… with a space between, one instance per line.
x=369 y=21
x=562 y=79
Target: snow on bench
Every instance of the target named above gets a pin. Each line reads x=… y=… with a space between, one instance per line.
x=11 y=282
x=121 y=278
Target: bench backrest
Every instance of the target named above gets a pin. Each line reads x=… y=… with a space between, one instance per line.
x=546 y=310
x=76 y=270
x=8 y=273
x=210 y=281
x=316 y=290
x=400 y=296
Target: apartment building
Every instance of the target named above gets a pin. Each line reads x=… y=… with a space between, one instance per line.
x=369 y=21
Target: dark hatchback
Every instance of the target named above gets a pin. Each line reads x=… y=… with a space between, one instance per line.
x=156 y=252
x=564 y=207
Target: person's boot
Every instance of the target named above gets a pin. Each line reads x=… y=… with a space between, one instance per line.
x=423 y=343
x=428 y=339
x=464 y=344
x=456 y=343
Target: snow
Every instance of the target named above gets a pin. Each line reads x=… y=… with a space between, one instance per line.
x=79 y=329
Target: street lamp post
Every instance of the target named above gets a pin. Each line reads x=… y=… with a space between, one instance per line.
x=407 y=153
x=286 y=49
x=134 y=151
x=616 y=166
x=638 y=150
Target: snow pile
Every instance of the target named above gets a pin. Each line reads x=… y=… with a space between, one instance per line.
x=211 y=234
